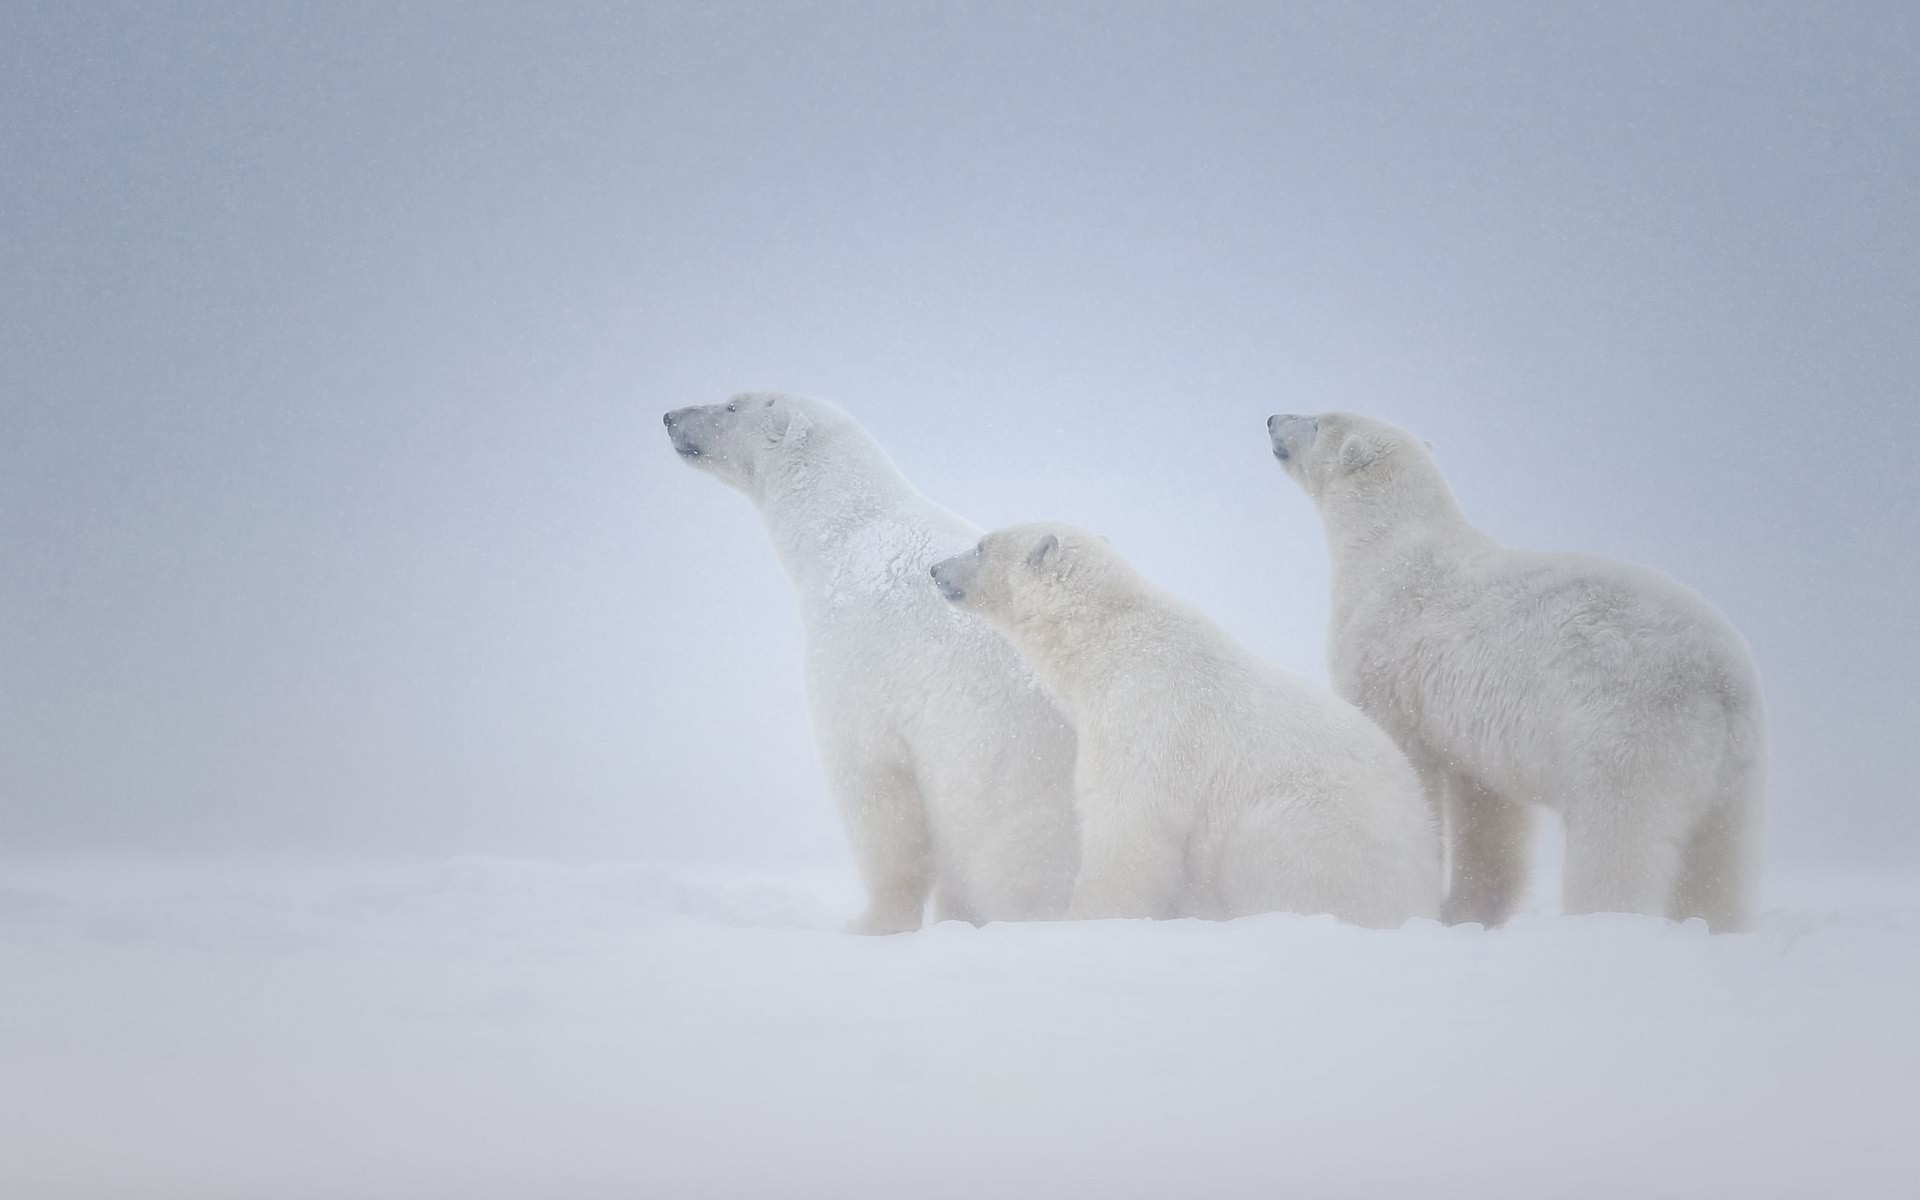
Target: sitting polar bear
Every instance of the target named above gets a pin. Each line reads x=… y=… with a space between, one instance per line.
x=1604 y=689
x=952 y=769
x=1209 y=784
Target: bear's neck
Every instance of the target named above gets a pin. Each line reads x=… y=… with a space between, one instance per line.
x=1096 y=649
x=845 y=521
x=1370 y=534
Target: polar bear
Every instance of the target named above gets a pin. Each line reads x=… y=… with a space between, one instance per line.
x=1208 y=783
x=952 y=769
x=1511 y=678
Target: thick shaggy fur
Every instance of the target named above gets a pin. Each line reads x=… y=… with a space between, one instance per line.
x=1511 y=678
x=1209 y=784
x=951 y=767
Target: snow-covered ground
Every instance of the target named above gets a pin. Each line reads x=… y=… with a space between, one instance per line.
x=481 y=1028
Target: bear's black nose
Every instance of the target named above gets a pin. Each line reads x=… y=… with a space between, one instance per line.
x=667 y=419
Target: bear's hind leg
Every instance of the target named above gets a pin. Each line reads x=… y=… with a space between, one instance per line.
x=1623 y=854
x=949 y=906
x=1487 y=843
x=1717 y=864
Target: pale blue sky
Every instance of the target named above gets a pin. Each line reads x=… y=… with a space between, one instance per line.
x=334 y=507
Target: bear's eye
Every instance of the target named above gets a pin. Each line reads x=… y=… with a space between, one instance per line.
x=733 y=406
x=768 y=404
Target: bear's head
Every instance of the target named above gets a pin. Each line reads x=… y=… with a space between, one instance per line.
x=749 y=437
x=1027 y=572
x=1343 y=456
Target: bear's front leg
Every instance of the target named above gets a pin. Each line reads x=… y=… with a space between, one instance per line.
x=887 y=825
x=1129 y=867
x=1489 y=834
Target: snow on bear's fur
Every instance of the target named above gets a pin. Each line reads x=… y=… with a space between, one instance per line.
x=952 y=769
x=1511 y=678
x=1208 y=784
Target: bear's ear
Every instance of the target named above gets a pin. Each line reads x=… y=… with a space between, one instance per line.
x=1358 y=450
x=790 y=427
x=1042 y=550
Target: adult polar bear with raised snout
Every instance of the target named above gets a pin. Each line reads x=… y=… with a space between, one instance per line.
x=1604 y=689
x=952 y=769
x=1209 y=784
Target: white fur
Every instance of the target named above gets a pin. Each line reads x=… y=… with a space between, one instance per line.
x=1209 y=784
x=1511 y=678
x=952 y=768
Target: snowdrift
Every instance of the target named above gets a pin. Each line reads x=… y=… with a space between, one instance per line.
x=479 y=1028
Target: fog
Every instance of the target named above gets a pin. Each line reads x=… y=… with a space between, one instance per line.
x=337 y=522
x=336 y=509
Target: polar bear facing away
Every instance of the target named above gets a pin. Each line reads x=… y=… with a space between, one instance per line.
x=1512 y=678
x=952 y=769
x=1208 y=783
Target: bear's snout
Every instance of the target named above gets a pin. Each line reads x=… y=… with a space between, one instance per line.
x=681 y=442
x=947 y=586
x=1280 y=430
